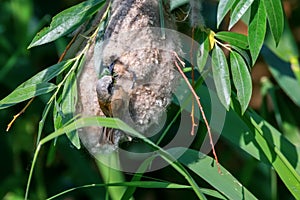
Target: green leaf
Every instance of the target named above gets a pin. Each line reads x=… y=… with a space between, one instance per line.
x=42 y=121
x=235 y=39
x=140 y=184
x=27 y=92
x=287 y=48
x=202 y=165
x=241 y=79
x=223 y=7
x=57 y=113
x=257 y=29
x=238 y=12
x=258 y=138
x=203 y=52
x=244 y=54
x=278 y=160
x=68 y=108
x=242 y=134
x=39 y=79
x=48 y=73
x=221 y=76
x=66 y=22
x=275 y=16
x=289 y=119
x=177 y=3
x=116 y=124
x=283 y=74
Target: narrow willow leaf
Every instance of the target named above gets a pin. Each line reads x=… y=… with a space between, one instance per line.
x=235 y=39
x=241 y=79
x=42 y=121
x=257 y=29
x=38 y=79
x=57 y=114
x=202 y=53
x=242 y=134
x=27 y=92
x=273 y=153
x=48 y=73
x=141 y=184
x=244 y=54
x=283 y=74
x=289 y=116
x=275 y=16
x=66 y=21
x=69 y=100
x=223 y=7
x=221 y=76
x=238 y=12
x=287 y=49
x=117 y=124
x=177 y=3
x=251 y=132
x=202 y=165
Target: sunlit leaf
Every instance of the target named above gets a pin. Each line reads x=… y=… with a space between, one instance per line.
x=244 y=54
x=66 y=22
x=27 y=92
x=238 y=12
x=235 y=39
x=35 y=86
x=221 y=76
x=48 y=73
x=274 y=155
x=275 y=17
x=203 y=166
x=283 y=74
x=117 y=124
x=257 y=29
x=287 y=48
x=223 y=7
x=241 y=79
x=261 y=140
x=242 y=134
x=289 y=119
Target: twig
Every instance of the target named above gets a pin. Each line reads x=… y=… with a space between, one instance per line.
x=223 y=45
x=201 y=110
x=67 y=48
x=31 y=100
x=17 y=115
x=193 y=84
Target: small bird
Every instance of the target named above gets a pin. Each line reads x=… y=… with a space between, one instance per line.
x=104 y=89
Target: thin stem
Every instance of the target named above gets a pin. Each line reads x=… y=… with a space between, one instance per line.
x=223 y=45
x=193 y=83
x=201 y=110
x=31 y=170
x=17 y=115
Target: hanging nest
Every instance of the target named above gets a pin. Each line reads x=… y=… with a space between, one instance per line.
x=139 y=57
